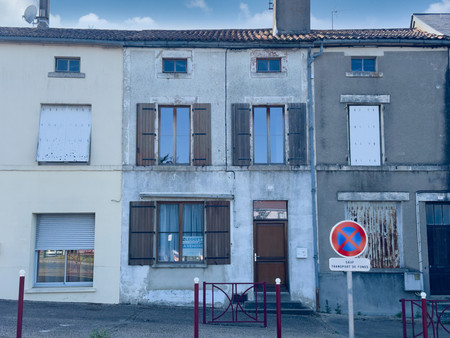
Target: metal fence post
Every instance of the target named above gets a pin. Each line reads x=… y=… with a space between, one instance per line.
x=20 y=304
x=278 y=281
x=424 y=315
x=196 y=307
x=404 y=317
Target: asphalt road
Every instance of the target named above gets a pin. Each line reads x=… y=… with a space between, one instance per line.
x=45 y=319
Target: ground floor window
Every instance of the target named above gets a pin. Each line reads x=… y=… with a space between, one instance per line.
x=179 y=232
x=64 y=249
x=380 y=220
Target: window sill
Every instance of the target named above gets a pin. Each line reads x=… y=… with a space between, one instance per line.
x=179 y=266
x=67 y=75
x=64 y=289
x=364 y=74
x=265 y=75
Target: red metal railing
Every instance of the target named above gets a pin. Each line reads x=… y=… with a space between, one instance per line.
x=425 y=318
x=233 y=310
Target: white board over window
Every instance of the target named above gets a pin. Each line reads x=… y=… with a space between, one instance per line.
x=64 y=134
x=365 y=144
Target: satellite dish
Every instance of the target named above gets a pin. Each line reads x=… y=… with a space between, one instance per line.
x=30 y=13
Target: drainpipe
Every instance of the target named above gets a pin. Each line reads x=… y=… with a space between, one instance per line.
x=312 y=155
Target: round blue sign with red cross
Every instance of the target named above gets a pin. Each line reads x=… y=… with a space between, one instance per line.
x=348 y=239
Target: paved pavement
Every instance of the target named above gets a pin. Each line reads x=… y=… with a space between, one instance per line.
x=45 y=319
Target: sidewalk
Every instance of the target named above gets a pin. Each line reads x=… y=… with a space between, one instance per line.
x=45 y=319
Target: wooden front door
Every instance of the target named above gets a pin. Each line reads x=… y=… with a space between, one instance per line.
x=270 y=253
x=438 y=231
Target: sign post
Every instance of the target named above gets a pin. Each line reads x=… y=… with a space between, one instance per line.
x=349 y=240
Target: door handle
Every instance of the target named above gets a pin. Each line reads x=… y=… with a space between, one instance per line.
x=256 y=257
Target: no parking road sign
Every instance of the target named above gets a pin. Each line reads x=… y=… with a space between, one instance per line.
x=348 y=239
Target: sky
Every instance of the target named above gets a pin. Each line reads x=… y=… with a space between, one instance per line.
x=216 y=14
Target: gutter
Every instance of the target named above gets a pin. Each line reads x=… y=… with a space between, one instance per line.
x=232 y=45
x=312 y=155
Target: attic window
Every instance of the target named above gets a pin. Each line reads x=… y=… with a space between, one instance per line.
x=174 y=65
x=268 y=65
x=67 y=65
x=366 y=64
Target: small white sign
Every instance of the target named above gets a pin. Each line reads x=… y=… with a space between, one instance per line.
x=349 y=264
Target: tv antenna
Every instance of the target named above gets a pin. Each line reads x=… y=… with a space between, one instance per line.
x=333 y=12
x=30 y=13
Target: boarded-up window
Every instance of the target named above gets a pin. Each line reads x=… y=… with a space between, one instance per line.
x=64 y=134
x=142 y=232
x=145 y=135
x=380 y=221
x=364 y=128
x=218 y=232
x=241 y=134
x=202 y=134
x=297 y=133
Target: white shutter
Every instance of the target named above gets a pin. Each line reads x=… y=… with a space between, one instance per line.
x=65 y=231
x=64 y=134
x=364 y=125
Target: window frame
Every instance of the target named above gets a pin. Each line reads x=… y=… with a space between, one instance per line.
x=268 y=59
x=174 y=134
x=269 y=136
x=175 y=61
x=180 y=232
x=69 y=61
x=362 y=58
x=60 y=248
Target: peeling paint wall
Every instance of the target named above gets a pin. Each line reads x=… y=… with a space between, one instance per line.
x=219 y=77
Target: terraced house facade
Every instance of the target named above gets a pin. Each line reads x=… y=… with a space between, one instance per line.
x=239 y=150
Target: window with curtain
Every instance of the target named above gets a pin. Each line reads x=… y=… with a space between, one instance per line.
x=180 y=232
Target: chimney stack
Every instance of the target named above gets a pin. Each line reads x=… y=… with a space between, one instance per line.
x=43 y=17
x=291 y=16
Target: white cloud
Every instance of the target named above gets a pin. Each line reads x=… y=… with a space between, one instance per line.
x=439 y=7
x=320 y=23
x=92 y=20
x=198 y=4
x=257 y=20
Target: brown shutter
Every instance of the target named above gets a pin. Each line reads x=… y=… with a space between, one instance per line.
x=241 y=133
x=142 y=231
x=145 y=133
x=202 y=133
x=297 y=134
x=218 y=232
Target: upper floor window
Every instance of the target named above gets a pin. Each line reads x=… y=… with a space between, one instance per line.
x=273 y=142
x=174 y=129
x=174 y=135
x=268 y=65
x=268 y=128
x=363 y=64
x=174 y=65
x=67 y=65
x=64 y=134
x=365 y=135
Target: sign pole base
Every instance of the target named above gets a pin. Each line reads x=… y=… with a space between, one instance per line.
x=351 y=323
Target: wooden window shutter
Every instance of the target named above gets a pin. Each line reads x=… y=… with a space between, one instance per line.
x=145 y=133
x=142 y=232
x=217 y=232
x=201 y=133
x=297 y=134
x=241 y=133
